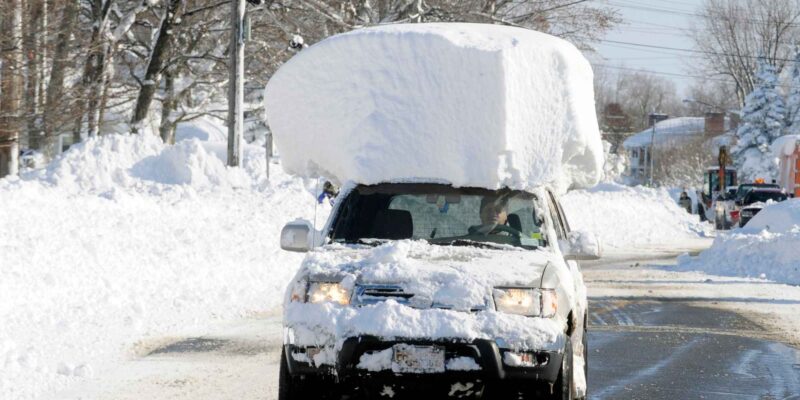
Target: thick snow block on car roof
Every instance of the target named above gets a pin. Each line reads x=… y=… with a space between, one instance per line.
x=473 y=105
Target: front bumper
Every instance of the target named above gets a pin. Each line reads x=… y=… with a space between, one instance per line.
x=486 y=353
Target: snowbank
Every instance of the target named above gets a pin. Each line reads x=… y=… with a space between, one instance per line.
x=768 y=247
x=627 y=218
x=475 y=105
x=123 y=240
x=780 y=217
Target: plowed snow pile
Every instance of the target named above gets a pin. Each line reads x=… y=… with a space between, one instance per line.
x=630 y=218
x=768 y=247
x=124 y=239
x=470 y=104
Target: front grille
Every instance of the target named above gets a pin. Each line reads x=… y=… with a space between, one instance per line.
x=368 y=294
x=372 y=294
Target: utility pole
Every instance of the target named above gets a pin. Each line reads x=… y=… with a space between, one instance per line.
x=236 y=84
x=655 y=118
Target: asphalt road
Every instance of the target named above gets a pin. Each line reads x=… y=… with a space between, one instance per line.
x=640 y=347
x=674 y=350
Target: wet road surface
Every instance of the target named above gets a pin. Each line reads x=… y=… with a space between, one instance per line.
x=651 y=337
x=674 y=350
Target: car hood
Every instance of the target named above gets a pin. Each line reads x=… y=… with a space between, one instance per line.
x=424 y=275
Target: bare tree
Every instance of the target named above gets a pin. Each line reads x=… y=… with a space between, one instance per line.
x=55 y=102
x=155 y=64
x=638 y=93
x=681 y=164
x=734 y=33
x=10 y=86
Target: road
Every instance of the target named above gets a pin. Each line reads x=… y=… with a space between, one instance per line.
x=654 y=335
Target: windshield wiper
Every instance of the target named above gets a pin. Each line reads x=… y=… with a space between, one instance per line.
x=474 y=243
x=374 y=242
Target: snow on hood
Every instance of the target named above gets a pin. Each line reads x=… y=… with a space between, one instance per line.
x=472 y=104
x=459 y=279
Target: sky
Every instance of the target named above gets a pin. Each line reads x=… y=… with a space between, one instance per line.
x=651 y=23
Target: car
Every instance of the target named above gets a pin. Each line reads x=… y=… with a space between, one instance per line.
x=745 y=188
x=755 y=200
x=429 y=289
x=728 y=205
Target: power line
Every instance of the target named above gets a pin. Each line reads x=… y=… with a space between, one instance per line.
x=662 y=73
x=695 y=51
x=683 y=12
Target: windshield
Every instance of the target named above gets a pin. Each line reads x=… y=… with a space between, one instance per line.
x=757 y=196
x=744 y=189
x=439 y=214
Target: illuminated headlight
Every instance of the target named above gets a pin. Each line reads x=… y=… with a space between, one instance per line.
x=526 y=301
x=321 y=292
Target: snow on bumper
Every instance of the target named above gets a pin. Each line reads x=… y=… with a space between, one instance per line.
x=329 y=325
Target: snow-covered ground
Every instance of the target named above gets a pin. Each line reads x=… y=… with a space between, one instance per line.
x=635 y=219
x=124 y=239
x=768 y=247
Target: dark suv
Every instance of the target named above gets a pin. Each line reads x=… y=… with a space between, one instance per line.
x=756 y=199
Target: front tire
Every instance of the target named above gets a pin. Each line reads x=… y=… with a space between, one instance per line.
x=562 y=388
x=287 y=387
x=301 y=388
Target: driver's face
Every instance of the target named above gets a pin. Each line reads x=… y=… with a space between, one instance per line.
x=494 y=214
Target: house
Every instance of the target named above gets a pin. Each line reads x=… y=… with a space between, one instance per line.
x=787 y=149
x=715 y=128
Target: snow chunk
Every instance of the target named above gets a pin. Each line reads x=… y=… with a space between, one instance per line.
x=474 y=105
x=462 y=364
x=376 y=360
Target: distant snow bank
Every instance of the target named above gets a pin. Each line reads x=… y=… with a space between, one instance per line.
x=123 y=239
x=768 y=247
x=471 y=104
x=630 y=218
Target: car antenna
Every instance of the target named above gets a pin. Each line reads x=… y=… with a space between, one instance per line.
x=314 y=224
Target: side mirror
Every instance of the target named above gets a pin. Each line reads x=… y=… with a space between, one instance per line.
x=581 y=246
x=296 y=236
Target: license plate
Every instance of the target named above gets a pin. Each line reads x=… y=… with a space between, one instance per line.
x=413 y=359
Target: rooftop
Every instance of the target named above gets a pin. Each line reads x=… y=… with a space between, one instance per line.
x=672 y=129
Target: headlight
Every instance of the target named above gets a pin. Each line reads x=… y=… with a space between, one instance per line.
x=526 y=301
x=320 y=292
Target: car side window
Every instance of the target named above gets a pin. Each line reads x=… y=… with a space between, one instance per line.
x=558 y=223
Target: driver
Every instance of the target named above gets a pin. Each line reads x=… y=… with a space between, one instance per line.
x=493 y=213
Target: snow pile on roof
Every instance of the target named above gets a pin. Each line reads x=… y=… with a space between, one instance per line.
x=668 y=131
x=785 y=145
x=124 y=239
x=474 y=105
x=627 y=218
x=766 y=248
